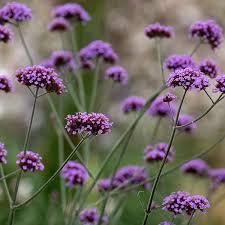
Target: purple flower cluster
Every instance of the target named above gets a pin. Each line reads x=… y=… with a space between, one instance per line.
x=40 y=77
x=58 y=24
x=168 y=97
x=70 y=11
x=217 y=176
x=166 y=223
x=195 y=166
x=15 y=12
x=96 y=49
x=132 y=104
x=90 y=216
x=88 y=123
x=117 y=74
x=220 y=85
x=174 y=62
x=157 y=153
x=74 y=174
x=188 y=78
x=30 y=161
x=209 y=68
x=207 y=31
x=5 y=84
x=185 y=119
x=6 y=34
x=3 y=153
x=157 y=30
x=161 y=108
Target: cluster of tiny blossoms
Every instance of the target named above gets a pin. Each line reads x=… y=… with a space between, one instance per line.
x=6 y=34
x=209 y=68
x=132 y=104
x=5 y=84
x=3 y=153
x=117 y=74
x=186 y=119
x=58 y=24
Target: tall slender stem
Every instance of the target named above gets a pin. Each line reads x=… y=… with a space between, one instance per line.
x=158 y=49
x=190 y=219
x=9 y=175
x=196 y=48
x=156 y=129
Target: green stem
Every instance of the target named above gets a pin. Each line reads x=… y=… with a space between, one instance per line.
x=190 y=219
x=156 y=129
x=9 y=175
x=209 y=96
x=196 y=48
x=158 y=49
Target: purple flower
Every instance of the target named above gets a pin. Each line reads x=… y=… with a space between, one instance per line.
x=188 y=78
x=3 y=153
x=58 y=24
x=88 y=123
x=70 y=11
x=185 y=119
x=161 y=108
x=166 y=223
x=220 y=85
x=5 y=84
x=174 y=62
x=16 y=12
x=74 y=174
x=104 y=185
x=132 y=104
x=6 y=34
x=196 y=166
x=207 y=31
x=217 y=176
x=30 y=161
x=157 y=30
x=168 y=97
x=209 y=68
x=40 y=77
x=47 y=63
x=117 y=74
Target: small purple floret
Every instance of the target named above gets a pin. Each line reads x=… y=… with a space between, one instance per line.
x=168 y=97
x=185 y=119
x=59 y=24
x=209 y=68
x=6 y=34
x=6 y=84
x=220 y=85
x=217 y=176
x=132 y=104
x=117 y=74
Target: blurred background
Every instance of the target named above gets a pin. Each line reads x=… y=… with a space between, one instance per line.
x=122 y=24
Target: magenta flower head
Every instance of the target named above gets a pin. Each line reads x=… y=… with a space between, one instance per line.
x=40 y=77
x=117 y=74
x=220 y=85
x=188 y=78
x=166 y=223
x=71 y=11
x=103 y=185
x=207 y=31
x=157 y=30
x=161 y=108
x=6 y=34
x=196 y=167
x=132 y=104
x=30 y=161
x=74 y=174
x=59 y=24
x=185 y=119
x=15 y=12
x=168 y=97
x=88 y=123
x=3 y=153
x=217 y=176
x=6 y=84
x=174 y=62
x=209 y=68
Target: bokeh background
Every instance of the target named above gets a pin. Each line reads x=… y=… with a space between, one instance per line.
x=122 y=24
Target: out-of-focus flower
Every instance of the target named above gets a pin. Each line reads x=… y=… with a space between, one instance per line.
x=217 y=176
x=30 y=161
x=157 y=30
x=104 y=185
x=207 y=31
x=74 y=174
x=117 y=74
x=168 y=97
x=47 y=63
x=220 y=85
x=185 y=119
x=209 y=68
x=6 y=84
x=58 y=24
x=6 y=34
x=132 y=104
x=166 y=223
x=3 y=153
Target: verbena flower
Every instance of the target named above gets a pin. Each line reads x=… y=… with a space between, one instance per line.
x=207 y=31
x=157 y=30
x=104 y=185
x=217 y=176
x=30 y=161
x=188 y=78
x=220 y=85
x=47 y=63
x=6 y=84
x=70 y=11
x=3 y=153
x=185 y=119
x=59 y=24
x=40 y=77
x=168 y=97
x=174 y=62
x=196 y=167
x=166 y=223
x=209 y=68
x=15 y=12
x=161 y=108
x=132 y=104
x=117 y=74
x=6 y=34
x=88 y=123
x=74 y=174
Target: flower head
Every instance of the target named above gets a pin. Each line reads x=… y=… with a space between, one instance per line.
x=105 y=185
x=3 y=153
x=70 y=11
x=47 y=63
x=207 y=31
x=58 y=24
x=30 y=161
x=40 y=77
x=188 y=78
x=6 y=34
x=132 y=104
x=209 y=68
x=157 y=30
x=185 y=119
x=217 y=176
x=168 y=97
x=5 y=84
x=88 y=123
x=117 y=74
x=220 y=85
x=74 y=174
